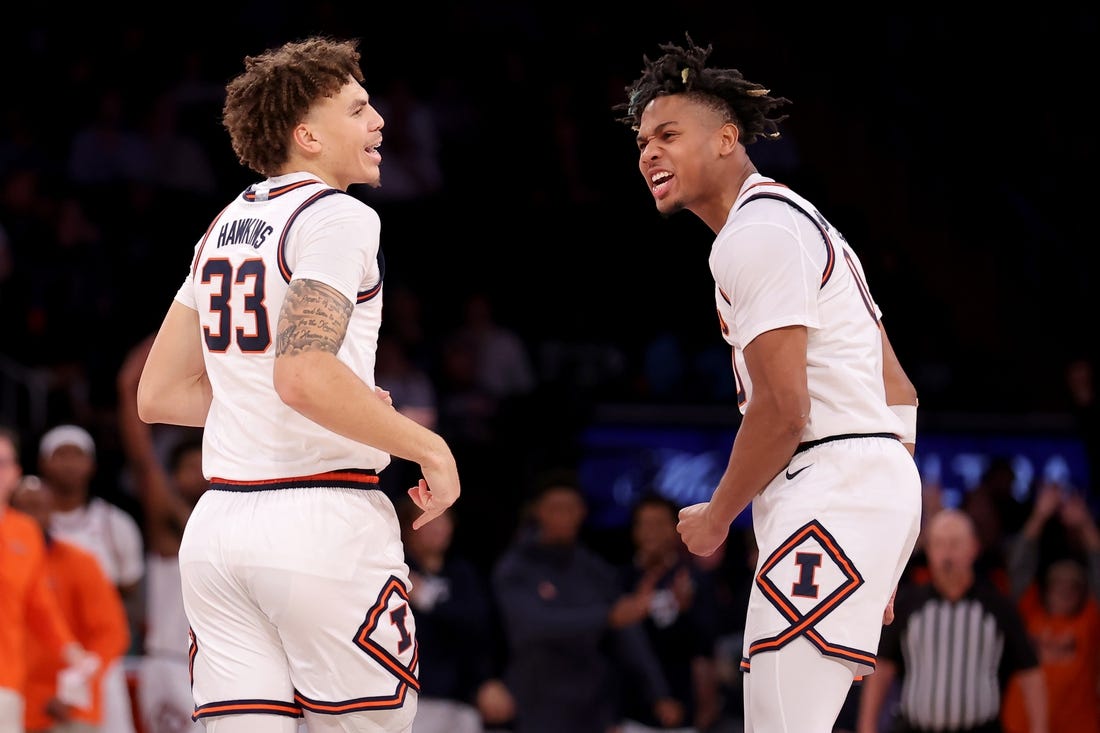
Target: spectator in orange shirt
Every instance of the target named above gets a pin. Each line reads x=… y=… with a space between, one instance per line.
x=93 y=610
x=1060 y=605
x=27 y=606
x=67 y=463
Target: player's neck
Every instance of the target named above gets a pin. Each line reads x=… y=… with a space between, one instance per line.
x=717 y=212
x=747 y=171
x=297 y=165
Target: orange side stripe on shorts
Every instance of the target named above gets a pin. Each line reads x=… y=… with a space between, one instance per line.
x=351 y=706
x=248 y=706
x=850 y=654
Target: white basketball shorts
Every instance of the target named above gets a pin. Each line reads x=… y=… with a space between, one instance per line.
x=835 y=530
x=297 y=597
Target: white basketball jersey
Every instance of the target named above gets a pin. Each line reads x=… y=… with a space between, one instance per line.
x=287 y=227
x=778 y=262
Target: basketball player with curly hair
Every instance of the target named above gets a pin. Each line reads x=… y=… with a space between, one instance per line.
x=292 y=567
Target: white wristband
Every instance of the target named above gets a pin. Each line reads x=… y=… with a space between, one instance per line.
x=908 y=415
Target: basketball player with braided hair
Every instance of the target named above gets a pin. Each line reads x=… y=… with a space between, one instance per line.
x=824 y=450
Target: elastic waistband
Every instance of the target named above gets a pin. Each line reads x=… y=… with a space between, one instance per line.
x=350 y=478
x=843 y=436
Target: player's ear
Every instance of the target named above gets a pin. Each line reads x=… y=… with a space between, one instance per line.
x=728 y=137
x=303 y=137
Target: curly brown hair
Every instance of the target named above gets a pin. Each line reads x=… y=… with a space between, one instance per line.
x=276 y=89
x=684 y=70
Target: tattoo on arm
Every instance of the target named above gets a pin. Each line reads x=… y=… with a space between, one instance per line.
x=314 y=317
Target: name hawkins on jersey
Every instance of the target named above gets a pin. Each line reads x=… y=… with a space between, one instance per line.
x=252 y=232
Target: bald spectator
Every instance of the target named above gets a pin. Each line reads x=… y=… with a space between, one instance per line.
x=953 y=645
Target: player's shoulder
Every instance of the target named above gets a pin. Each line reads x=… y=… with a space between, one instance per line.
x=755 y=228
x=767 y=200
x=344 y=205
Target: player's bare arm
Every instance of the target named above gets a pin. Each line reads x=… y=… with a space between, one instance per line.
x=312 y=380
x=314 y=317
x=899 y=388
x=899 y=391
x=312 y=326
x=174 y=388
x=770 y=431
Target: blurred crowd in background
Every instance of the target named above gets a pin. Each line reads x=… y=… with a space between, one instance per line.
x=529 y=279
x=944 y=152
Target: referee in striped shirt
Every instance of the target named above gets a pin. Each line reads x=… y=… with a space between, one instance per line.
x=953 y=645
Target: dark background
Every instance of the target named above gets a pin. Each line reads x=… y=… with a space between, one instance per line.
x=957 y=155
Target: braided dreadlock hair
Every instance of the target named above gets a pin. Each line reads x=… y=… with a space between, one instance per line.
x=683 y=70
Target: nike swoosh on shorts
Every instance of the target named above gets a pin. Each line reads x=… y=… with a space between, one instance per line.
x=792 y=475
